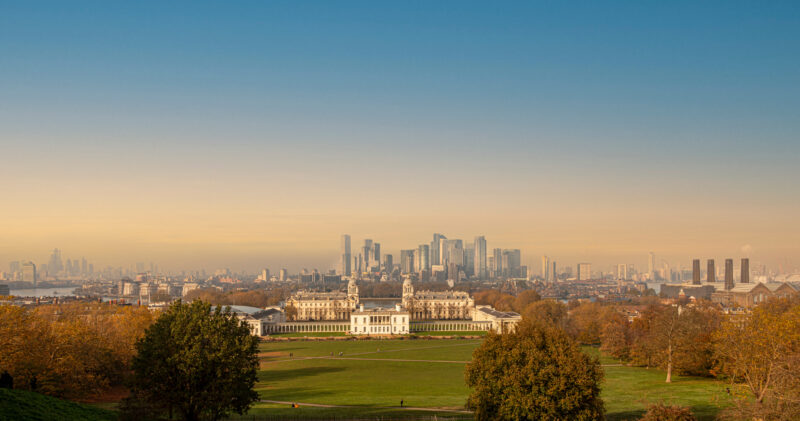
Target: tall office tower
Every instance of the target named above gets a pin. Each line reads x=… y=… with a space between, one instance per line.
x=711 y=272
x=584 y=271
x=376 y=253
x=511 y=263
x=346 y=257
x=554 y=274
x=423 y=254
x=622 y=271
x=667 y=273
x=545 y=268
x=469 y=259
x=366 y=254
x=55 y=265
x=265 y=274
x=444 y=256
x=282 y=275
x=358 y=263
x=651 y=266
x=435 y=258
x=480 y=257
x=745 y=276
x=455 y=252
x=696 y=272
x=388 y=263
x=728 y=274
x=84 y=266
x=29 y=273
x=498 y=262
x=490 y=265
x=407 y=261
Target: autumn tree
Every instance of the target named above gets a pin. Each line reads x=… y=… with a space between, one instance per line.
x=199 y=361
x=762 y=350
x=534 y=373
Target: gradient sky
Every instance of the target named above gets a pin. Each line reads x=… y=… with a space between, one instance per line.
x=250 y=134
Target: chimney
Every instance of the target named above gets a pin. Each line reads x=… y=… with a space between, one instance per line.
x=361 y=307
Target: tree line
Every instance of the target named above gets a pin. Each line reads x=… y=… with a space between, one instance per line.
x=758 y=352
x=70 y=350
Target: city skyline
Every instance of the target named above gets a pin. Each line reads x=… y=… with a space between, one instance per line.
x=241 y=135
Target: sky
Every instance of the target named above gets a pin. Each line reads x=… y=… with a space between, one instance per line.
x=254 y=134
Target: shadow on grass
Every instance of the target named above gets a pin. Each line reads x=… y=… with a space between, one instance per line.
x=272 y=375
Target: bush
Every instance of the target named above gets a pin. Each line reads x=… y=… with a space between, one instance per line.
x=662 y=412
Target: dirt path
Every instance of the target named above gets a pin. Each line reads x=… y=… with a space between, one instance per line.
x=410 y=408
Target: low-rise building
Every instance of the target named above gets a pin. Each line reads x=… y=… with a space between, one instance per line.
x=502 y=321
x=379 y=321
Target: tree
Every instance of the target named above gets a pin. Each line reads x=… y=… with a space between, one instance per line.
x=762 y=350
x=534 y=373
x=200 y=361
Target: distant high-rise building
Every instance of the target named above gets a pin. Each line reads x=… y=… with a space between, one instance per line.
x=554 y=274
x=728 y=274
x=511 y=263
x=282 y=275
x=651 y=266
x=622 y=271
x=696 y=272
x=497 y=254
x=376 y=253
x=346 y=257
x=480 y=257
x=469 y=259
x=407 y=261
x=55 y=265
x=29 y=273
x=584 y=271
x=545 y=268
x=435 y=250
x=745 y=276
x=711 y=271
x=265 y=274
x=366 y=254
x=423 y=254
x=455 y=252
x=388 y=263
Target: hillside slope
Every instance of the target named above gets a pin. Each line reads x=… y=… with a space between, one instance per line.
x=24 y=405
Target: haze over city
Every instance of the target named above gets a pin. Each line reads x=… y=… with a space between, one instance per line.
x=249 y=136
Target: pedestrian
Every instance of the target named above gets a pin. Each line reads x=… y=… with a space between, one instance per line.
x=401 y=403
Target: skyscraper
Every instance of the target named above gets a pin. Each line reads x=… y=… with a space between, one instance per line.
x=29 y=273
x=584 y=271
x=480 y=257
x=406 y=261
x=388 y=263
x=455 y=252
x=423 y=253
x=745 y=275
x=498 y=262
x=622 y=271
x=55 y=265
x=696 y=272
x=711 y=272
x=651 y=266
x=435 y=257
x=376 y=254
x=554 y=274
x=366 y=254
x=545 y=268
x=346 y=257
x=469 y=259
x=511 y=263
x=728 y=274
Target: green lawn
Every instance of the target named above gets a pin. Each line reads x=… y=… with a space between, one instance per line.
x=368 y=379
x=307 y=334
x=23 y=405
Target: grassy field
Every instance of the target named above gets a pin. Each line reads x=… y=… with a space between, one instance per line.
x=371 y=377
x=23 y=405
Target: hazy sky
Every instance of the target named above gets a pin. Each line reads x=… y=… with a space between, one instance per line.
x=249 y=134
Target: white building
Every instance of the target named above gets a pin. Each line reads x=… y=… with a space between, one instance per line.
x=502 y=321
x=379 y=321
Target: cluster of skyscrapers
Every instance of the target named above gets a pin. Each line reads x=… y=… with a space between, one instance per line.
x=451 y=258
x=711 y=272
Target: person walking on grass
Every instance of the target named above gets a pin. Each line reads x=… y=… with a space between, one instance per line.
x=401 y=403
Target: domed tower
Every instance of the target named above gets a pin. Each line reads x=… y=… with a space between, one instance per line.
x=408 y=292
x=352 y=291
